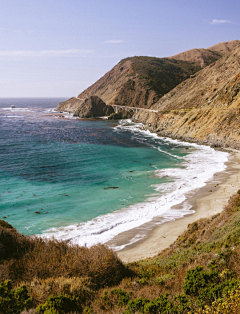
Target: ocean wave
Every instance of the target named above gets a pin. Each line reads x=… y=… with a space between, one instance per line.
x=17 y=109
x=198 y=167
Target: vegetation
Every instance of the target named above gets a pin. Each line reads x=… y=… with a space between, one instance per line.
x=199 y=273
x=160 y=74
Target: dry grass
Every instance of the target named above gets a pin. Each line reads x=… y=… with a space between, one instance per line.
x=26 y=258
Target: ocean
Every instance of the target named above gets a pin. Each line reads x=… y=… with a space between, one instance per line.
x=88 y=181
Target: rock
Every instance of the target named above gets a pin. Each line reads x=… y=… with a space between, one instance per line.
x=122 y=114
x=93 y=107
x=111 y=187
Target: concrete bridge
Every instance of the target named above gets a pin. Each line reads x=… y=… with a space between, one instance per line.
x=117 y=108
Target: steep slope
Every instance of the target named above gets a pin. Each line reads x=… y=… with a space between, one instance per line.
x=136 y=82
x=141 y=81
x=204 y=108
x=204 y=57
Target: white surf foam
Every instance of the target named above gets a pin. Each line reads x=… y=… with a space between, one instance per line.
x=198 y=167
x=17 y=109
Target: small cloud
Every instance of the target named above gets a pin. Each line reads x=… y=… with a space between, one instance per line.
x=114 y=41
x=216 y=21
x=44 y=53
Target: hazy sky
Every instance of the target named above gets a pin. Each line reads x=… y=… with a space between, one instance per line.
x=60 y=47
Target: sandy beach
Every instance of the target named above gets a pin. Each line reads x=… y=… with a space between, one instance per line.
x=209 y=200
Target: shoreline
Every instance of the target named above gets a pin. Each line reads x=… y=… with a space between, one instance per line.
x=207 y=201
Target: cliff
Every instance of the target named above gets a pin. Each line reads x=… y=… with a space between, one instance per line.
x=205 y=108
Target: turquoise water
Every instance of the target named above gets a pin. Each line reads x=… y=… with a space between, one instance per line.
x=57 y=172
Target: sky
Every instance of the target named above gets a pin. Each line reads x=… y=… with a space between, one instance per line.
x=57 y=48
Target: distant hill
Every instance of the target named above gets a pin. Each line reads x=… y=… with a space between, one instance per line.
x=204 y=57
x=205 y=107
x=225 y=47
x=141 y=81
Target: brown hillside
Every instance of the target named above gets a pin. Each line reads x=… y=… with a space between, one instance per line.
x=204 y=57
x=204 y=108
x=136 y=82
x=225 y=47
x=141 y=81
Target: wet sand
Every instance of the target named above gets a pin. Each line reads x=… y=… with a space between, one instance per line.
x=208 y=201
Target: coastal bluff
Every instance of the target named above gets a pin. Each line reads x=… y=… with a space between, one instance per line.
x=192 y=96
x=204 y=108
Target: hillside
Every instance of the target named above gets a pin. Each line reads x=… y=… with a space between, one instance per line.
x=141 y=81
x=204 y=108
x=136 y=82
x=54 y=277
x=225 y=47
x=204 y=57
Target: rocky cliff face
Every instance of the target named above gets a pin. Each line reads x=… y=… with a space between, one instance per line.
x=205 y=108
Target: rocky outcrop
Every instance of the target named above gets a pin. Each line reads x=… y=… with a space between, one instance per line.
x=69 y=105
x=205 y=108
x=121 y=114
x=89 y=108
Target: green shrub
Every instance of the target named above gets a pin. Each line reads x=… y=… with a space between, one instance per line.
x=122 y=296
x=208 y=286
x=159 y=305
x=116 y=297
x=13 y=301
x=61 y=304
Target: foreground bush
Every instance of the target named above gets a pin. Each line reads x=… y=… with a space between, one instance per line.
x=13 y=301
x=25 y=258
x=230 y=304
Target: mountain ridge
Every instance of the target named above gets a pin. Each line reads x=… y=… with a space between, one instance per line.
x=204 y=57
x=136 y=82
x=140 y=81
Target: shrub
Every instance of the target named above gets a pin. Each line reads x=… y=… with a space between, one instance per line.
x=207 y=286
x=42 y=288
x=25 y=258
x=116 y=297
x=61 y=304
x=13 y=301
x=159 y=305
x=12 y=244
